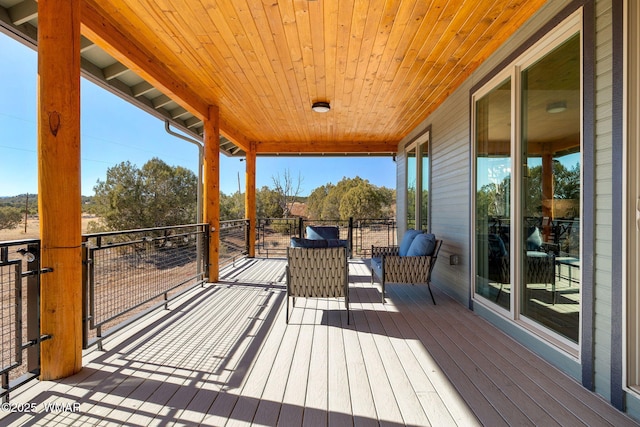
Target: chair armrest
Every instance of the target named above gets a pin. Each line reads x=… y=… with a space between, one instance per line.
x=407 y=269
x=380 y=251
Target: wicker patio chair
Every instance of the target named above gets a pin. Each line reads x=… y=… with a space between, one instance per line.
x=390 y=267
x=317 y=273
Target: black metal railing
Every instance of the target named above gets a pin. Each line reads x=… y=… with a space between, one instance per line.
x=128 y=273
x=273 y=235
x=19 y=314
x=234 y=241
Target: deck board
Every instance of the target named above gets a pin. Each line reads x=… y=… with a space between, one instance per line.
x=223 y=355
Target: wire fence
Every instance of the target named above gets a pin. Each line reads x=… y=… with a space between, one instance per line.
x=132 y=271
x=233 y=241
x=273 y=235
x=19 y=314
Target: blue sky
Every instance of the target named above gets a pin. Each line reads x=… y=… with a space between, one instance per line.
x=113 y=131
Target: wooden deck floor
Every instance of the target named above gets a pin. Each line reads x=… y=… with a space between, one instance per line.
x=223 y=355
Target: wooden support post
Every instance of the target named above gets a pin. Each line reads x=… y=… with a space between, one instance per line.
x=211 y=196
x=250 y=198
x=59 y=191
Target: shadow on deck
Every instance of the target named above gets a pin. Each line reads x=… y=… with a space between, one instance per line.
x=223 y=355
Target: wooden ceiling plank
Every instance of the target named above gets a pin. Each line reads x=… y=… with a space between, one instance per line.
x=374 y=70
x=441 y=58
x=296 y=99
x=457 y=70
x=383 y=68
x=406 y=27
x=433 y=23
x=343 y=36
x=369 y=32
x=238 y=97
x=291 y=32
x=314 y=28
x=111 y=38
x=331 y=11
x=358 y=23
x=490 y=28
x=273 y=69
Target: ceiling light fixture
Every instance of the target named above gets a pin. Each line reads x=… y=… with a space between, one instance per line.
x=321 y=107
x=556 y=107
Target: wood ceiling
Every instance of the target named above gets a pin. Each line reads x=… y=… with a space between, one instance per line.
x=383 y=65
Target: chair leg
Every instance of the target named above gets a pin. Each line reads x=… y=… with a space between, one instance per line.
x=382 y=291
x=287 y=309
x=499 y=292
x=347 y=304
x=432 y=298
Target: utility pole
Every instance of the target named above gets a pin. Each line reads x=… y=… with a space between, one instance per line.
x=26 y=213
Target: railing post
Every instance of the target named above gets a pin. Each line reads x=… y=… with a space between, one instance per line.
x=33 y=309
x=300 y=229
x=85 y=292
x=247 y=236
x=350 y=237
x=205 y=257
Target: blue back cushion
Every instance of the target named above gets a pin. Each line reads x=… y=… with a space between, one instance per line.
x=496 y=246
x=407 y=239
x=317 y=232
x=307 y=243
x=534 y=241
x=423 y=244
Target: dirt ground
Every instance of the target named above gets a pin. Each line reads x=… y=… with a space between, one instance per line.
x=33 y=229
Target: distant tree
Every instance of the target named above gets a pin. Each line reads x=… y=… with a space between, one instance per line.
x=22 y=202
x=156 y=195
x=331 y=205
x=350 y=197
x=288 y=190
x=9 y=217
x=316 y=199
x=268 y=203
x=566 y=185
x=231 y=207
x=361 y=201
x=493 y=199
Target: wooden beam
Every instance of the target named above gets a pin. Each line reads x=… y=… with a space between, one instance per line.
x=59 y=190
x=97 y=27
x=322 y=147
x=234 y=136
x=250 y=197
x=211 y=196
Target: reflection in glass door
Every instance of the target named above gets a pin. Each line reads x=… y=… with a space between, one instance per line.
x=493 y=194
x=551 y=183
x=411 y=188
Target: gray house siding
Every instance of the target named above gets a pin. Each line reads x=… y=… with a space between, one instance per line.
x=451 y=202
x=603 y=205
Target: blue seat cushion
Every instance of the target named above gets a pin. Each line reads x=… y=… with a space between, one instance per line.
x=407 y=239
x=376 y=266
x=337 y=243
x=315 y=232
x=422 y=245
x=297 y=242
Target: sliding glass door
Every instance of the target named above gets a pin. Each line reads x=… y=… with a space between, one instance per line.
x=528 y=187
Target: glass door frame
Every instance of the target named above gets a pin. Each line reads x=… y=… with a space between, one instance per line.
x=570 y=26
x=420 y=144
